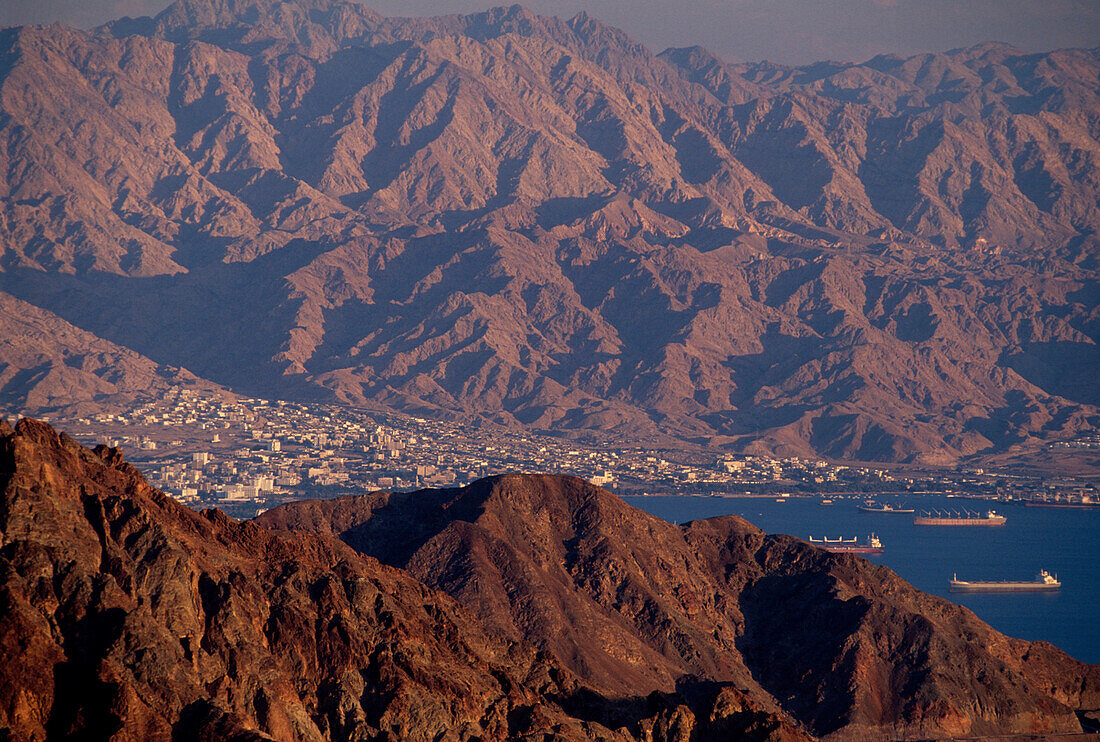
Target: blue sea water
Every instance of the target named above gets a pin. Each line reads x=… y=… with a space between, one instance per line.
x=1064 y=542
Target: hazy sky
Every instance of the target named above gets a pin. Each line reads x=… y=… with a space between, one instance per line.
x=792 y=31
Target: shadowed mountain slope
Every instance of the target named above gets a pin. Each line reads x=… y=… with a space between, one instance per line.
x=635 y=604
x=47 y=362
x=127 y=616
x=540 y=222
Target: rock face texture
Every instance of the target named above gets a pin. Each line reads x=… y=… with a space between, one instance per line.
x=541 y=222
x=635 y=604
x=126 y=616
x=129 y=617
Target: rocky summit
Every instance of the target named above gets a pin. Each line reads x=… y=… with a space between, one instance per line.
x=542 y=223
x=635 y=605
x=126 y=616
x=521 y=607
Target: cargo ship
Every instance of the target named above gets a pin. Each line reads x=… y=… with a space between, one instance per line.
x=849 y=545
x=965 y=518
x=872 y=507
x=1043 y=582
x=1084 y=503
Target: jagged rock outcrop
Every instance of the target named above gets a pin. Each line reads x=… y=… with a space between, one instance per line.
x=126 y=616
x=540 y=222
x=635 y=604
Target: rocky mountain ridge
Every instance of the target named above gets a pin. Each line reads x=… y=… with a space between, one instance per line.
x=46 y=363
x=633 y=603
x=128 y=616
x=542 y=223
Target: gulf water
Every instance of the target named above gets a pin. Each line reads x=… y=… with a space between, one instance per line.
x=1063 y=542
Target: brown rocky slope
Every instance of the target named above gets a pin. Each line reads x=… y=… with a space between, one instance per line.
x=46 y=362
x=541 y=222
x=634 y=604
x=126 y=616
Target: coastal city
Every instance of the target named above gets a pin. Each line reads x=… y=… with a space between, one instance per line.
x=247 y=455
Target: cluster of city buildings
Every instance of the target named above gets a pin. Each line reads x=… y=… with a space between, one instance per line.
x=246 y=455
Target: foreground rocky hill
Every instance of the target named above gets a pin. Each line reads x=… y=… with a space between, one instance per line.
x=634 y=605
x=129 y=617
x=541 y=222
x=126 y=616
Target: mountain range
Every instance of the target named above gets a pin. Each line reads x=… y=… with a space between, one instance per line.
x=521 y=607
x=542 y=223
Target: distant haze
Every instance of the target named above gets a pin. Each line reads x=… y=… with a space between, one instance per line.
x=788 y=31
